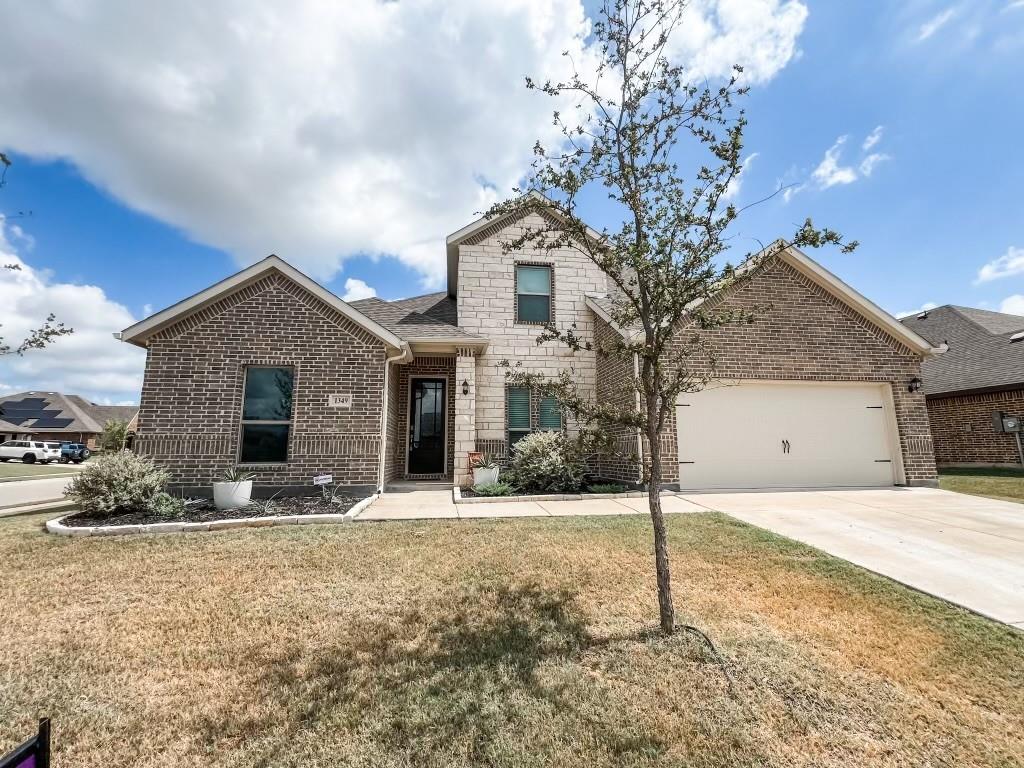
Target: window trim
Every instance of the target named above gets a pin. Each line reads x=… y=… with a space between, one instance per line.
x=550 y=294
x=243 y=422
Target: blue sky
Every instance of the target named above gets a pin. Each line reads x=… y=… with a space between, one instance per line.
x=154 y=169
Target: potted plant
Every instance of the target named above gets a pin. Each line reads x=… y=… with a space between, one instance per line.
x=485 y=470
x=234 y=489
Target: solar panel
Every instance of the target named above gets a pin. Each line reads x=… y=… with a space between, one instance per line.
x=40 y=410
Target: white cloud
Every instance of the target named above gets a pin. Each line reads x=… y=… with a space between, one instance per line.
x=320 y=130
x=760 y=35
x=90 y=361
x=356 y=289
x=935 y=23
x=1009 y=264
x=1013 y=305
x=829 y=172
x=873 y=138
x=732 y=191
x=923 y=308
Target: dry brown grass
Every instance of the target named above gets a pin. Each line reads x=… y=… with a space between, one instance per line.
x=507 y=642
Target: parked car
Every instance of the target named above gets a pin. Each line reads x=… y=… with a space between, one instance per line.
x=30 y=451
x=74 y=452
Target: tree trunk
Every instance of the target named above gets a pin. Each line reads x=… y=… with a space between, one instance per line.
x=666 y=609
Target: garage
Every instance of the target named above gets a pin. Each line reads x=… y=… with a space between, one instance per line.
x=758 y=434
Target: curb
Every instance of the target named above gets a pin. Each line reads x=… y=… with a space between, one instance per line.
x=458 y=498
x=57 y=527
x=37 y=508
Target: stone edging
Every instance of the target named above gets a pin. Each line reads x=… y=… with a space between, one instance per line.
x=57 y=527
x=458 y=498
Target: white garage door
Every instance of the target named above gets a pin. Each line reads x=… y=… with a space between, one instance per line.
x=785 y=435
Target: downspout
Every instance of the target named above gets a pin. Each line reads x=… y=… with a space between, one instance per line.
x=405 y=354
x=639 y=432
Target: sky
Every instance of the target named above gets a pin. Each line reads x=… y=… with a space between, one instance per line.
x=159 y=148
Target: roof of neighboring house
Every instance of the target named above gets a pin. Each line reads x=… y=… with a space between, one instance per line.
x=30 y=412
x=420 y=318
x=981 y=355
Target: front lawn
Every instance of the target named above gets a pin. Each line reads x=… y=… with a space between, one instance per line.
x=1005 y=484
x=494 y=642
x=14 y=470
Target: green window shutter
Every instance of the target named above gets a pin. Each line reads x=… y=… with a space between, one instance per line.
x=518 y=408
x=550 y=415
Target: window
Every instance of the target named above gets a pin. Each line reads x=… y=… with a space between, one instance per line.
x=518 y=414
x=533 y=294
x=521 y=418
x=266 y=415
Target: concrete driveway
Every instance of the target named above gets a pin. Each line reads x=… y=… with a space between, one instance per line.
x=966 y=549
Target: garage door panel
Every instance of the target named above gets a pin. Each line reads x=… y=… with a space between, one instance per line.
x=792 y=434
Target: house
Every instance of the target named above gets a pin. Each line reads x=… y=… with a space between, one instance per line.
x=269 y=371
x=981 y=374
x=56 y=416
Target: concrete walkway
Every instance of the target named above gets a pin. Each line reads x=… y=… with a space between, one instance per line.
x=966 y=549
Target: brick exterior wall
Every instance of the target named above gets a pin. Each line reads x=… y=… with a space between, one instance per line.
x=615 y=385
x=192 y=393
x=486 y=306
x=809 y=335
x=440 y=367
x=963 y=432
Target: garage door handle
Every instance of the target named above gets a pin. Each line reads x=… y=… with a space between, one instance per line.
x=785 y=446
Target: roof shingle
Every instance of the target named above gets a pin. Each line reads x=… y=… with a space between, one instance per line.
x=431 y=316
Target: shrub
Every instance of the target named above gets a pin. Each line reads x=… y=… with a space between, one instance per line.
x=607 y=488
x=547 y=462
x=494 y=489
x=119 y=483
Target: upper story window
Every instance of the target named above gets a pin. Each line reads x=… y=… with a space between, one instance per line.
x=266 y=415
x=533 y=293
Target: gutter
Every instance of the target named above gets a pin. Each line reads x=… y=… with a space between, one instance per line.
x=401 y=357
x=639 y=432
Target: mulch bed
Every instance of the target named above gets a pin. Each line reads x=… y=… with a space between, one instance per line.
x=203 y=511
x=469 y=493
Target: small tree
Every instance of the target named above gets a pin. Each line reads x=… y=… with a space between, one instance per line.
x=634 y=121
x=114 y=435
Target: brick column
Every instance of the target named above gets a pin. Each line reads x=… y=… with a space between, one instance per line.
x=465 y=415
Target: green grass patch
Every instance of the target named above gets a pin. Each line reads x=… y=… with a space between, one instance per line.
x=998 y=483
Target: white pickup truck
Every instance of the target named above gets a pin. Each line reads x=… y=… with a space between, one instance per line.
x=30 y=451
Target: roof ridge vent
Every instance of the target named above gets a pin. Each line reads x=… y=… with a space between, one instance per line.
x=923 y=315
x=1018 y=336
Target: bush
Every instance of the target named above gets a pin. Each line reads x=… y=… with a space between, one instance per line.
x=120 y=483
x=607 y=488
x=547 y=462
x=494 y=489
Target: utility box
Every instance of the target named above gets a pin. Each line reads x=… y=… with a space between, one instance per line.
x=1005 y=423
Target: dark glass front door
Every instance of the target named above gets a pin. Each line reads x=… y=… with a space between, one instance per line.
x=426 y=427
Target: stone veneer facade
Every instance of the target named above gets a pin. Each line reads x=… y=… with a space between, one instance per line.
x=189 y=419
x=486 y=307
x=963 y=431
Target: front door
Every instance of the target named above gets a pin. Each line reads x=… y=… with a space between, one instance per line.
x=427 y=427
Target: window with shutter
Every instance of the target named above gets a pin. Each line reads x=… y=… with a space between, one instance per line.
x=549 y=416
x=518 y=404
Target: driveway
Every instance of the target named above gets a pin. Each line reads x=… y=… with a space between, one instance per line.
x=22 y=493
x=966 y=549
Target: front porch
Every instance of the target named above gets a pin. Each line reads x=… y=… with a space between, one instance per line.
x=421 y=438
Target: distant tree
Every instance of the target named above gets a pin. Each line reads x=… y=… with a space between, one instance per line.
x=114 y=435
x=50 y=330
x=636 y=119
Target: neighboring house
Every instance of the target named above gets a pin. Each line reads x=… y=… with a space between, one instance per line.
x=981 y=374
x=269 y=371
x=56 y=416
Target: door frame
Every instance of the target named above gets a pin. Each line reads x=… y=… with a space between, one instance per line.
x=892 y=429
x=408 y=418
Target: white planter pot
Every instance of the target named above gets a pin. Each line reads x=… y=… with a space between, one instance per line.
x=483 y=476
x=232 y=495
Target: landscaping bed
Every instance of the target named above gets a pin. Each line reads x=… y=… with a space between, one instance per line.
x=204 y=511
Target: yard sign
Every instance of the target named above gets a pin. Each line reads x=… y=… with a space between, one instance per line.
x=34 y=753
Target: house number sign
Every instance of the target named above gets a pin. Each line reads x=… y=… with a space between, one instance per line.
x=339 y=401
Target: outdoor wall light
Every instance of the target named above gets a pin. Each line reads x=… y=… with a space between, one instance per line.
x=914 y=385
x=465 y=386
